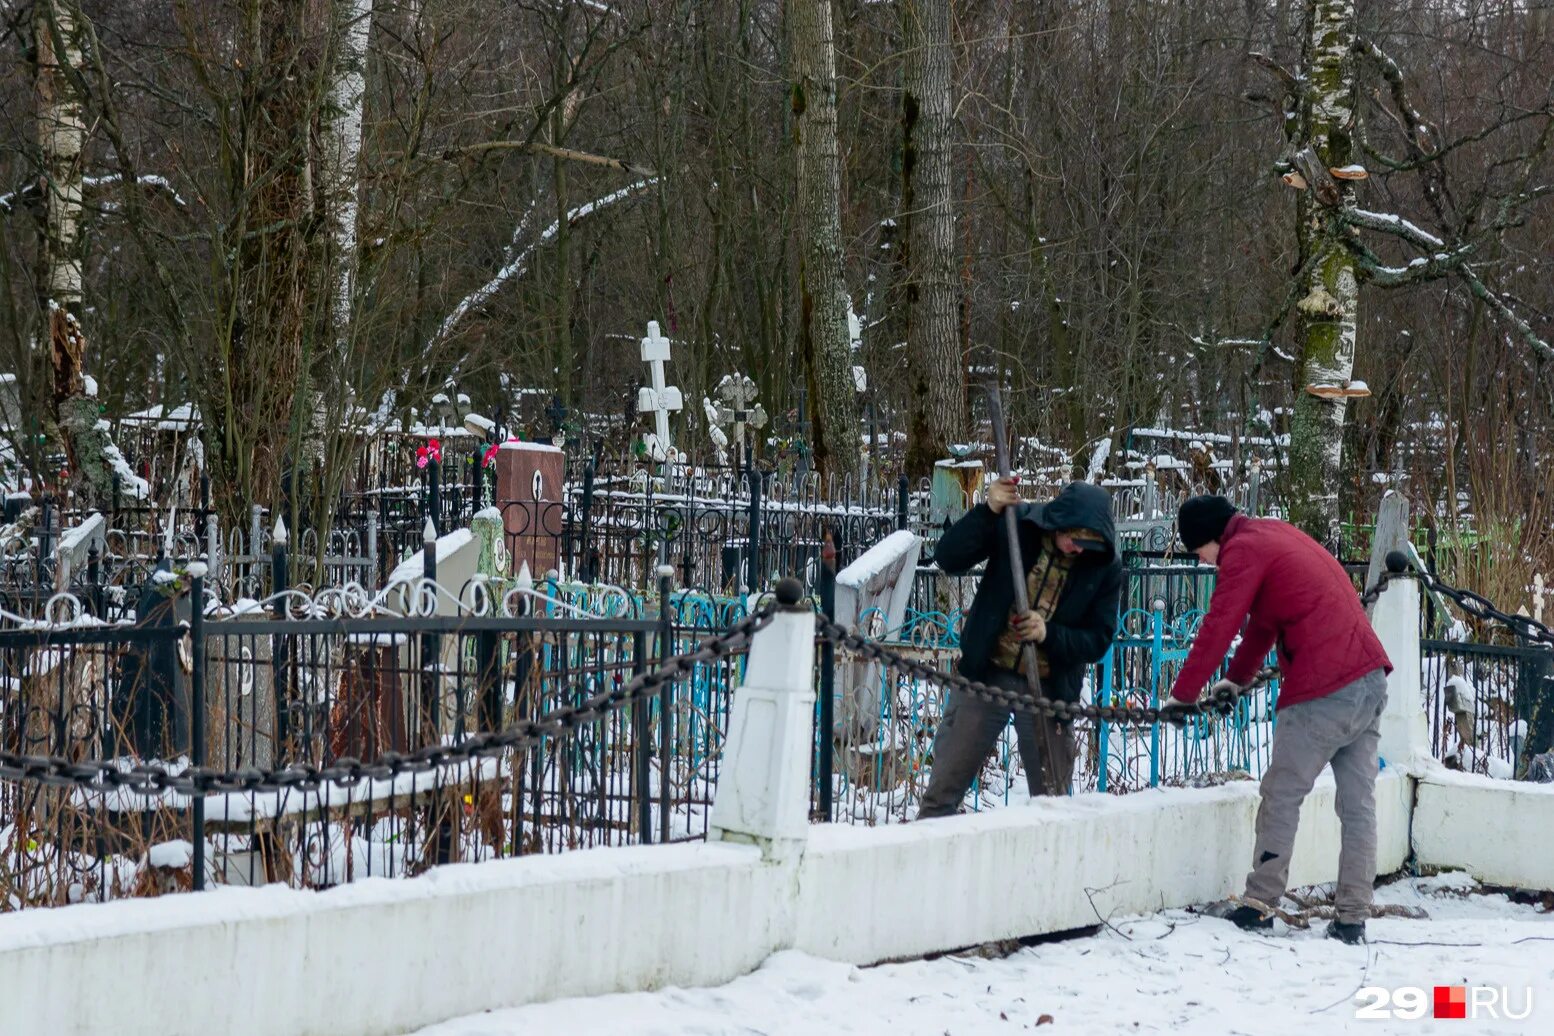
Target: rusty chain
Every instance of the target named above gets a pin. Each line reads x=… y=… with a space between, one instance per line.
x=156 y=778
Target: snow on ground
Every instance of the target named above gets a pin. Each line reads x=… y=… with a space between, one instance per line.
x=1172 y=972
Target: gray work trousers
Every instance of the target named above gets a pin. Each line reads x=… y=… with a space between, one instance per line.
x=967 y=733
x=1342 y=728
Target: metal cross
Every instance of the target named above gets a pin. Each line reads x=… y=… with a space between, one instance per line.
x=737 y=392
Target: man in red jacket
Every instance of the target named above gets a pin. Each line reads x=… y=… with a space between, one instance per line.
x=1286 y=590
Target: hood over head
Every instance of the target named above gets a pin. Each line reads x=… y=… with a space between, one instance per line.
x=1079 y=506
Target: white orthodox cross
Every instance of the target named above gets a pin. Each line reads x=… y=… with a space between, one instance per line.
x=661 y=399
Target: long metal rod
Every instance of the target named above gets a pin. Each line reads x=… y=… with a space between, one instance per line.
x=1057 y=783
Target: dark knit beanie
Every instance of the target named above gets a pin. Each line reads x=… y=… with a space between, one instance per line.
x=1203 y=518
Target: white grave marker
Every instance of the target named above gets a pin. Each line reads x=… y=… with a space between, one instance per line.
x=661 y=399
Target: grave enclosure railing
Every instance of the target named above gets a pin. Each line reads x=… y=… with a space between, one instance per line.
x=297 y=686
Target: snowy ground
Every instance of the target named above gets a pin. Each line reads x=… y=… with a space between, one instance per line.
x=1171 y=972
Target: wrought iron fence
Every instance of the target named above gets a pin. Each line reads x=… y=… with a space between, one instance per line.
x=1488 y=705
x=315 y=682
x=885 y=719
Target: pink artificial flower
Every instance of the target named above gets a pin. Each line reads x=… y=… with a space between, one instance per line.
x=428 y=453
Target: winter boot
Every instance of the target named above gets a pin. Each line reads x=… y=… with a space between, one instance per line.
x=1349 y=932
x=1249 y=919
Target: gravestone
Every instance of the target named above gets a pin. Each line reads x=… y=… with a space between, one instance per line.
x=530 y=483
x=738 y=411
x=957 y=485
x=871 y=596
x=150 y=704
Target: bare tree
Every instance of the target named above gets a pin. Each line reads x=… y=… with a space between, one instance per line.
x=936 y=377
x=340 y=145
x=824 y=342
x=1329 y=309
x=62 y=145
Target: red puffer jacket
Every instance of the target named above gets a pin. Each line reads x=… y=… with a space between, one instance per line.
x=1285 y=588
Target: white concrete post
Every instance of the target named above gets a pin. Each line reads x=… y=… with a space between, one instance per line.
x=1405 y=737
x=763 y=788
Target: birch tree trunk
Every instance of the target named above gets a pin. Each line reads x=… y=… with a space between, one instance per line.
x=340 y=145
x=61 y=140
x=935 y=374
x=1329 y=311
x=824 y=342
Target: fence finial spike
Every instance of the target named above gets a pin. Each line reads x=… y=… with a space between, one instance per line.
x=280 y=535
x=525 y=577
x=429 y=532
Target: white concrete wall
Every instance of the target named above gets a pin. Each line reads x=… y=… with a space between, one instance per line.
x=1502 y=832
x=386 y=957
x=871 y=894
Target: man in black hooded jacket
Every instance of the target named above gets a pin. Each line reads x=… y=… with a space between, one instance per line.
x=1074 y=578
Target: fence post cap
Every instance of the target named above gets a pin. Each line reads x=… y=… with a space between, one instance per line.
x=789 y=592
x=1397 y=562
x=429 y=532
x=280 y=535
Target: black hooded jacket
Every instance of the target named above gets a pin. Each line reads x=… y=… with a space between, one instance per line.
x=1082 y=627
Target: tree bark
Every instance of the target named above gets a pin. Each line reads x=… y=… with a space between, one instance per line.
x=254 y=406
x=340 y=145
x=935 y=371
x=1329 y=311
x=824 y=342
x=61 y=140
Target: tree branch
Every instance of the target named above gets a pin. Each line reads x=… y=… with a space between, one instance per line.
x=1506 y=313
x=540 y=148
x=517 y=260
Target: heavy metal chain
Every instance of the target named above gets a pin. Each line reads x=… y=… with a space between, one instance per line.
x=1478 y=606
x=1221 y=702
x=155 y=778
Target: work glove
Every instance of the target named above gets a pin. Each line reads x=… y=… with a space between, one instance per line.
x=1225 y=688
x=1176 y=711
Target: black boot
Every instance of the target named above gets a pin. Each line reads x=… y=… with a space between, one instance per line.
x=1352 y=933
x=1249 y=919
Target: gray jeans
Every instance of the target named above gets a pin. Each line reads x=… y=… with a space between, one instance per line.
x=1342 y=728
x=967 y=733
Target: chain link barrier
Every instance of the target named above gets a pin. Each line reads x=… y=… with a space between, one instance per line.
x=1221 y=703
x=1478 y=606
x=157 y=778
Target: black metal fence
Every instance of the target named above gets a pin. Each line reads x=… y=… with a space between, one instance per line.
x=1488 y=704
x=257 y=693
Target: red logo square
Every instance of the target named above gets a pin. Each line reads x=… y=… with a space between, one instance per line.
x=1451 y=1001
